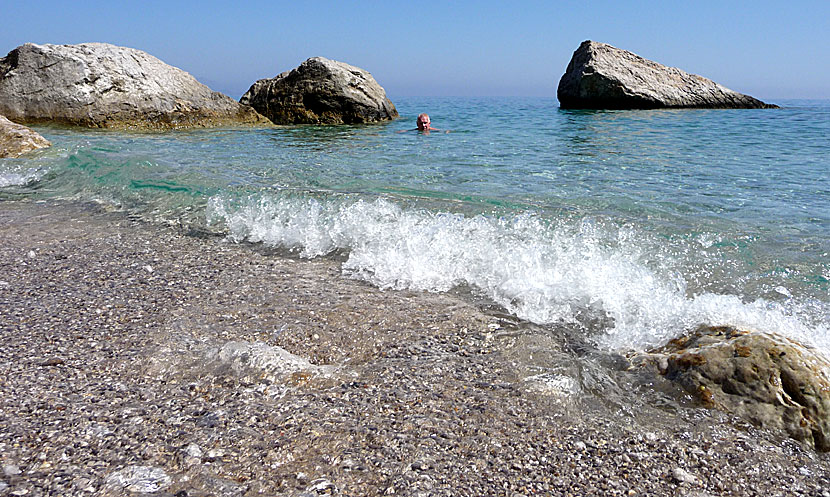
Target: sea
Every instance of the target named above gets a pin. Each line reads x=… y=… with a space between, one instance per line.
x=632 y=226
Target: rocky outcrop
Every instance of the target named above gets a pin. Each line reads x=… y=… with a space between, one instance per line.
x=105 y=86
x=321 y=91
x=767 y=379
x=16 y=140
x=600 y=76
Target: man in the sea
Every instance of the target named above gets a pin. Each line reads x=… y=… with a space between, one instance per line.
x=424 y=125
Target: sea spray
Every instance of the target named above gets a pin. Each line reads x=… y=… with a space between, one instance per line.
x=21 y=172
x=542 y=271
x=21 y=177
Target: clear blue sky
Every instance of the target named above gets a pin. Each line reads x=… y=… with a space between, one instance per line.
x=766 y=49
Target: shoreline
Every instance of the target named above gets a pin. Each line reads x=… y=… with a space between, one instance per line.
x=115 y=355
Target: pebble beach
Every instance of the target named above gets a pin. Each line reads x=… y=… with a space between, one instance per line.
x=146 y=360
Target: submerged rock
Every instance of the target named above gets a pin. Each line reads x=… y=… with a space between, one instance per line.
x=600 y=76
x=137 y=479
x=765 y=378
x=104 y=86
x=267 y=361
x=16 y=140
x=321 y=91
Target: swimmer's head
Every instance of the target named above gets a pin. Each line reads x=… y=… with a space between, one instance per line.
x=423 y=122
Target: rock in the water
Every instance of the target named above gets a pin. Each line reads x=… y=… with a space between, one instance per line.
x=138 y=479
x=682 y=476
x=11 y=470
x=767 y=379
x=16 y=139
x=600 y=76
x=269 y=362
x=105 y=86
x=321 y=91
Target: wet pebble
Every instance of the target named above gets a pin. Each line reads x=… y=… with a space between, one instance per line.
x=682 y=476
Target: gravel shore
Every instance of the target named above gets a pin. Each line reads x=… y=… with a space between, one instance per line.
x=138 y=360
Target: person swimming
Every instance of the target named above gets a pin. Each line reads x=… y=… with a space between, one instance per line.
x=424 y=124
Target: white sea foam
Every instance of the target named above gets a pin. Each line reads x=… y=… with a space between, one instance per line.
x=540 y=271
x=20 y=177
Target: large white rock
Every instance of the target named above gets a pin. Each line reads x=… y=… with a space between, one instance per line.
x=102 y=85
x=600 y=76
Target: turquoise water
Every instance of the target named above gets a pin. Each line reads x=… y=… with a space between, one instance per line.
x=635 y=225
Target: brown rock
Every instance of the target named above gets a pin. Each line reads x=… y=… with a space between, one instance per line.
x=765 y=378
x=16 y=139
x=321 y=91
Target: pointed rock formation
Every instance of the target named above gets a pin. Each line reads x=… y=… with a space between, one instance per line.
x=16 y=139
x=600 y=76
x=104 y=86
x=321 y=91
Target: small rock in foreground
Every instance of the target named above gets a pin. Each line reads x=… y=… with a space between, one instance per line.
x=138 y=479
x=321 y=91
x=16 y=140
x=767 y=379
x=266 y=361
x=11 y=470
x=600 y=76
x=680 y=475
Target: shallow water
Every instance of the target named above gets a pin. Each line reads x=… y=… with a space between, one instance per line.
x=633 y=226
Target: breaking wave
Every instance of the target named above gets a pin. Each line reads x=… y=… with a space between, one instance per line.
x=20 y=177
x=635 y=290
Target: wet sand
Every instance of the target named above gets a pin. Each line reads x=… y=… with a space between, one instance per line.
x=117 y=378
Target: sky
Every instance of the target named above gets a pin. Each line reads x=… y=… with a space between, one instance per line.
x=770 y=50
